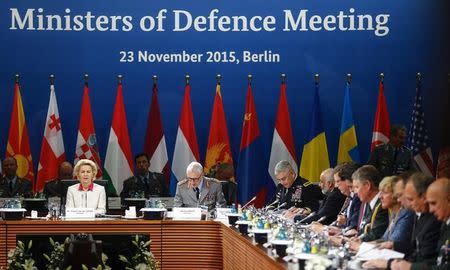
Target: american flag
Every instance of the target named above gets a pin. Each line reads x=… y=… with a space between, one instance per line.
x=418 y=139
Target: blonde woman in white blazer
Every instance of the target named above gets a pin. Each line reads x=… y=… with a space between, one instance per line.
x=86 y=194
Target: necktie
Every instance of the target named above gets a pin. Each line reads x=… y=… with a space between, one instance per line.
x=197 y=192
x=345 y=205
x=11 y=185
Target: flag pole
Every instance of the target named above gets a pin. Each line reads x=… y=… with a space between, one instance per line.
x=249 y=79
x=52 y=79
x=16 y=78
x=155 y=80
x=283 y=78
x=86 y=78
x=119 y=79
x=187 y=79
x=382 y=77
x=316 y=79
x=218 y=78
x=349 y=78
x=419 y=77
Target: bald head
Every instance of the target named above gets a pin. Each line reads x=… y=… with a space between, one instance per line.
x=65 y=171
x=438 y=198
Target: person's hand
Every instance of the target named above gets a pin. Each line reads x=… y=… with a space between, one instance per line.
x=351 y=233
x=387 y=245
x=317 y=227
x=400 y=265
x=336 y=240
x=341 y=220
x=332 y=230
x=354 y=244
x=378 y=264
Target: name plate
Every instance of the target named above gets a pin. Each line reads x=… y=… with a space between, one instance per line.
x=80 y=213
x=188 y=213
x=114 y=203
x=222 y=213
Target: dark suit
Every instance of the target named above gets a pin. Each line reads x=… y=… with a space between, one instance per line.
x=353 y=214
x=432 y=264
x=52 y=189
x=152 y=185
x=375 y=221
x=330 y=208
x=425 y=234
x=21 y=188
x=301 y=194
x=390 y=160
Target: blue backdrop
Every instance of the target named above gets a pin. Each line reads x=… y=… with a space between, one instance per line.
x=416 y=41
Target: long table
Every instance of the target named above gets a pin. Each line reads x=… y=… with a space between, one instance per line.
x=175 y=244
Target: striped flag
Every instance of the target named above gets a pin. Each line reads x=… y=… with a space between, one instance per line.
x=155 y=141
x=348 y=143
x=18 y=142
x=52 y=149
x=219 y=149
x=118 y=160
x=186 y=146
x=315 y=152
x=87 y=147
x=418 y=139
x=283 y=147
x=381 y=126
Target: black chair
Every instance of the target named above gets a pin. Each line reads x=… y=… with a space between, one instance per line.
x=82 y=249
x=229 y=191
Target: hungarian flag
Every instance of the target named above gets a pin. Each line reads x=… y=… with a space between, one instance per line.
x=219 y=150
x=283 y=147
x=381 y=126
x=186 y=146
x=118 y=160
x=87 y=147
x=18 y=142
x=155 y=142
x=52 y=149
x=252 y=182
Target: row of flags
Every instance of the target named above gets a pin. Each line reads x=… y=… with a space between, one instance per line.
x=118 y=164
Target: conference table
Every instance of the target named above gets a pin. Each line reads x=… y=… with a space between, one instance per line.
x=175 y=244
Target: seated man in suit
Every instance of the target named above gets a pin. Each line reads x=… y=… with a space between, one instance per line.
x=197 y=190
x=144 y=183
x=438 y=199
x=333 y=202
x=53 y=188
x=12 y=185
x=294 y=193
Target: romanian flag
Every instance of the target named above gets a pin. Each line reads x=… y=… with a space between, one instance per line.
x=18 y=142
x=219 y=150
x=315 y=152
x=251 y=181
x=348 y=143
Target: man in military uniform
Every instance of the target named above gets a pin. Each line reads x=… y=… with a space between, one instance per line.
x=144 y=183
x=53 y=188
x=12 y=185
x=293 y=192
x=393 y=158
x=197 y=190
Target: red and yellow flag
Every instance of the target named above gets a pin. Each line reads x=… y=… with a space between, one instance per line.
x=18 y=142
x=219 y=150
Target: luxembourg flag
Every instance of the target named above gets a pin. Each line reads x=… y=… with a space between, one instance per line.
x=283 y=147
x=186 y=146
x=118 y=161
x=52 y=149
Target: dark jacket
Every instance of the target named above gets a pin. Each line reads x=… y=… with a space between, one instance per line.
x=330 y=208
x=52 y=189
x=22 y=188
x=353 y=216
x=301 y=194
x=136 y=187
x=424 y=238
x=376 y=221
x=390 y=160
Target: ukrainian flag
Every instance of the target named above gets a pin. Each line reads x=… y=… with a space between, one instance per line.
x=315 y=152
x=348 y=144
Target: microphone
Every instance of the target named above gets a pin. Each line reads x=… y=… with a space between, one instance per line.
x=308 y=216
x=280 y=206
x=249 y=202
x=272 y=204
x=321 y=219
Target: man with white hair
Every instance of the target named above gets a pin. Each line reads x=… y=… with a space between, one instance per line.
x=197 y=190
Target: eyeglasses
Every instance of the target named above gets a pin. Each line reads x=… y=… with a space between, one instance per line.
x=193 y=178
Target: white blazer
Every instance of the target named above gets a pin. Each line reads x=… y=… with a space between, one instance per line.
x=87 y=199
